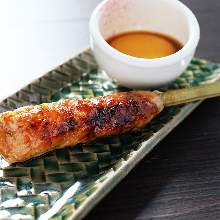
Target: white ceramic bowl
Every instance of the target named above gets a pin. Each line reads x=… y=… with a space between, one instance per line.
x=169 y=17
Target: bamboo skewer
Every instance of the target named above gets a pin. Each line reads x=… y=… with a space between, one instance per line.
x=191 y=94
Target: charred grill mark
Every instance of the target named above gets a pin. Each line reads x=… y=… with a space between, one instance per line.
x=99 y=118
x=46 y=135
x=123 y=120
x=71 y=124
x=64 y=127
x=122 y=114
x=32 y=125
x=117 y=115
x=47 y=123
x=61 y=129
x=134 y=106
x=96 y=117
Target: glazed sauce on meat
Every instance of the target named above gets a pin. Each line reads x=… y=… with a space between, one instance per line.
x=143 y=44
x=34 y=130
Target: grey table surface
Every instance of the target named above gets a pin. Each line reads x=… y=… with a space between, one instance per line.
x=180 y=178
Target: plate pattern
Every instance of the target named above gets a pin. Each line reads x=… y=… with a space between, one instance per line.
x=68 y=183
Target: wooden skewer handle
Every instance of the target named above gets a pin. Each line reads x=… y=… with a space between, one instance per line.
x=191 y=94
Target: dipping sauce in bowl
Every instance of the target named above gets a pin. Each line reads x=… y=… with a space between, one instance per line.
x=145 y=44
x=123 y=22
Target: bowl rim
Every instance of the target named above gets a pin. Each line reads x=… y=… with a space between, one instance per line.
x=190 y=46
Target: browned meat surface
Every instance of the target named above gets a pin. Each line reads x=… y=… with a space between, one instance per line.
x=31 y=131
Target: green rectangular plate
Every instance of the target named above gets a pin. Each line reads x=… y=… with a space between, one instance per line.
x=68 y=183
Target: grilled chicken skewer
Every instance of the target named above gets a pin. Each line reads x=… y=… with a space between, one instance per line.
x=32 y=131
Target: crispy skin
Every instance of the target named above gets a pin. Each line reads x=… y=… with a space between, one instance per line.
x=32 y=131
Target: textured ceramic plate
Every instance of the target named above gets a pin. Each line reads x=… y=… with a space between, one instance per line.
x=68 y=183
